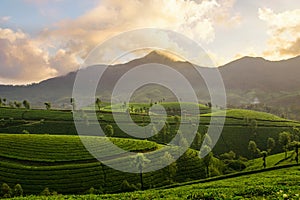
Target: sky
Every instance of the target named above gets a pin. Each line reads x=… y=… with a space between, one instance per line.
x=40 y=39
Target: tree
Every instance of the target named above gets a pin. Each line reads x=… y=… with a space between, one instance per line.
x=177 y=121
x=109 y=130
x=171 y=168
x=154 y=132
x=252 y=147
x=72 y=101
x=48 y=105
x=197 y=141
x=2 y=102
x=270 y=144
x=18 y=190
x=295 y=145
x=228 y=156
x=140 y=161
x=264 y=155
x=284 y=140
x=11 y=104
x=209 y=104
x=26 y=104
x=17 y=104
x=46 y=192
x=98 y=103
x=297 y=153
x=253 y=126
x=6 y=192
x=207 y=140
x=296 y=134
x=207 y=156
x=182 y=141
x=91 y=190
x=165 y=132
x=126 y=187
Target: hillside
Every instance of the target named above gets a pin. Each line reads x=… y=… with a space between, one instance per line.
x=40 y=149
x=62 y=164
x=272 y=161
x=241 y=126
x=273 y=83
x=264 y=184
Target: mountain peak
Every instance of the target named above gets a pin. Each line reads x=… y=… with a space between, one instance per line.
x=159 y=55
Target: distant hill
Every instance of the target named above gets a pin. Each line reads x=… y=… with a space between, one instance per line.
x=272 y=83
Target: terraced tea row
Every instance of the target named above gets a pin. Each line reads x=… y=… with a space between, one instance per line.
x=52 y=148
x=75 y=177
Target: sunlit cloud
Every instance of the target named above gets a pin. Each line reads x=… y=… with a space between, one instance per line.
x=65 y=41
x=21 y=59
x=284 y=32
x=195 y=19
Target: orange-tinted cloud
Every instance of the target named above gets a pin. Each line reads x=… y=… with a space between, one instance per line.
x=57 y=49
x=192 y=18
x=21 y=59
x=284 y=32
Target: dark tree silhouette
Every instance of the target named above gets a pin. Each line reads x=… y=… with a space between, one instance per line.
x=140 y=161
x=48 y=105
x=98 y=103
x=270 y=144
x=26 y=104
x=284 y=140
x=264 y=156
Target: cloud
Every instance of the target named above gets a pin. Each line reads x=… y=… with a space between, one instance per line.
x=4 y=19
x=195 y=19
x=23 y=59
x=284 y=32
x=224 y=17
x=63 y=62
x=38 y=2
x=57 y=49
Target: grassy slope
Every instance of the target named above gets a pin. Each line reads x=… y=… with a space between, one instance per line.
x=275 y=184
x=238 y=130
x=52 y=148
x=61 y=163
x=272 y=161
x=166 y=105
x=235 y=136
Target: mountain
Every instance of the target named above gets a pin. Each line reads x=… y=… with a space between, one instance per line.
x=272 y=83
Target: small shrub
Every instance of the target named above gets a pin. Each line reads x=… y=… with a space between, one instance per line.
x=46 y=192
x=91 y=190
x=126 y=187
x=25 y=132
x=6 y=191
x=18 y=190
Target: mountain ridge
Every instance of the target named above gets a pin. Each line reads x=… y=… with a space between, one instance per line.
x=156 y=54
x=274 y=83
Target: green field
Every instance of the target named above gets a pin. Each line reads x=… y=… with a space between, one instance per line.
x=274 y=184
x=62 y=164
x=251 y=125
x=40 y=149
x=272 y=161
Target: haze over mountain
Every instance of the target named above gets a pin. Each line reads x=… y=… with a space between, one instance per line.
x=273 y=83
